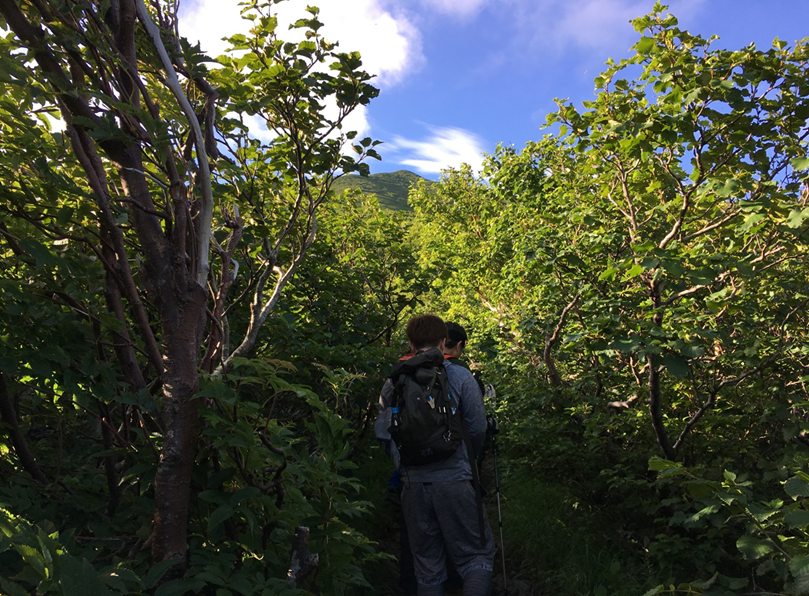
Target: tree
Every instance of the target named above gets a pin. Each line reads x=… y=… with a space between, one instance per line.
x=126 y=197
x=699 y=162
x=659 y=236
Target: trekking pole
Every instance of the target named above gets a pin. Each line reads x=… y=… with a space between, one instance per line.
x=494 y=428
x=499 y=513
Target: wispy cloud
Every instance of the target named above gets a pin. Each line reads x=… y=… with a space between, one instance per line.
x=602 y=25
x=597 y=23
x=554 y=27
x=458 y=8
x=444 y=147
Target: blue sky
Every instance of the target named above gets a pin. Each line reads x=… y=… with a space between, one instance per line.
x=457 y=77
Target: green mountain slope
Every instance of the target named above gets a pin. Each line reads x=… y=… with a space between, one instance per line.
x=390 y=188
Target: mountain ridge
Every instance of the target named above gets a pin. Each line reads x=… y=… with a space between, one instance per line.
x=390 y=188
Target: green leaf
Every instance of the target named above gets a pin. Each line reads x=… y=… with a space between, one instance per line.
x=729 y=189
x=796 y=218
x=241 y=584
x=657 y=464
x=608 y=274
x=714 y=305
x=177 y=587
x=644 y=45
x=241 y=495
x=702 y=585
x=797 y=519
x=78 y=577
x=709 y=510
x=799 y=565
x=676 y=365
x=797 y=487
x=12 y=589
x=157 y=571
x=800 y=163
x=214 y=496
x=34 y=558
x=221 y=513
x=674 y=268
x=752 y=220
x=212 y=578
x=753 y=548
x=117 y=577
x=650 y=263
x=735 y=583
x=626 y=344
x=761 y=513
x=633 y=271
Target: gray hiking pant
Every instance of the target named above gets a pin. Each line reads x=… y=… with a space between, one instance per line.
x=442 y=521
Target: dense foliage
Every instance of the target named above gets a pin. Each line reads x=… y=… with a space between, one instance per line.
x=638 y=281
x=145 y=242
x=634 y=283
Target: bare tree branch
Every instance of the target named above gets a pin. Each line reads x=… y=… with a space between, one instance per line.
x=24 y=454
x=173 y=83
x=550 y=342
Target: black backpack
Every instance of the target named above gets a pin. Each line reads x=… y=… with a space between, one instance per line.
x=425 y=424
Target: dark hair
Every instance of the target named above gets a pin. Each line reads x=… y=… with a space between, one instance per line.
x=455 y=335
x=426 y=331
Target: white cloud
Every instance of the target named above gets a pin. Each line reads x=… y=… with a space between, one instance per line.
x=358 y=121
x=598 y=23
x=54 y=122
x=389 y=42
x=445 y=147
x=208 y=21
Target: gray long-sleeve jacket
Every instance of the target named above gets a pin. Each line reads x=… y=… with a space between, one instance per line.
x=466 y=390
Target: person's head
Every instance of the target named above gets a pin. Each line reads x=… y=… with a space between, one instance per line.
x=456 y=340
x=426 y=331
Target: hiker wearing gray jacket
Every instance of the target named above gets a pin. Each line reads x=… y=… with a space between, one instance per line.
x=440 y=505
